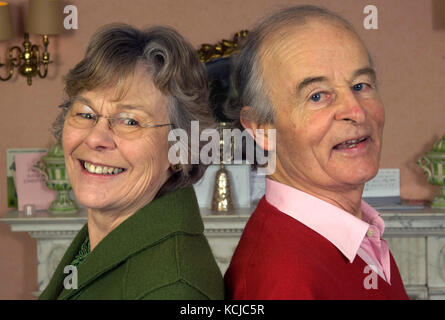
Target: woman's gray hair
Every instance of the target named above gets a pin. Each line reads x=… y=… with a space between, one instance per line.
x=172 y=63
x=248 y=79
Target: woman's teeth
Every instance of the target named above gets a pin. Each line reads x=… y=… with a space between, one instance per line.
x=101 y=169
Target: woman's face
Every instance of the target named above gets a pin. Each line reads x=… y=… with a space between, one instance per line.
x=110 y=172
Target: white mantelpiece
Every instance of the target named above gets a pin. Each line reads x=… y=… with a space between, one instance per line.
x=417 y=242
x=416 y=239
x=53 y=234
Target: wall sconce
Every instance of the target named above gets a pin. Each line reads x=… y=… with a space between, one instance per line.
x=44 y=18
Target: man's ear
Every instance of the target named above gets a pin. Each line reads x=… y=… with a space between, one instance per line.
x=258 y=131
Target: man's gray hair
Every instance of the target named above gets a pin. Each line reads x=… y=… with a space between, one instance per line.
x=172 y=63
x=248 y=79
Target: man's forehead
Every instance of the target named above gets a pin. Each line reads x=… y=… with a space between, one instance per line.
x=312 y=31
x=312 y=44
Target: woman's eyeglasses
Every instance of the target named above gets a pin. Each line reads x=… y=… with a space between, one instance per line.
x=125 y=125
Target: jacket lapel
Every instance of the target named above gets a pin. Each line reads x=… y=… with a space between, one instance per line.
x=175 y=212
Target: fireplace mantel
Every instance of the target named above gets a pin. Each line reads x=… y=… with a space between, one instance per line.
x=416 y=239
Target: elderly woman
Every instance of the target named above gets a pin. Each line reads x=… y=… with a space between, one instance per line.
x=144 y=237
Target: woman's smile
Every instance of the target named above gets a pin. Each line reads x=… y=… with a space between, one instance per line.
x=97 y=169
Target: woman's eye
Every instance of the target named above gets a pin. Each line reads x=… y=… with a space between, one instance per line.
x=130 y=122
x=87 y=116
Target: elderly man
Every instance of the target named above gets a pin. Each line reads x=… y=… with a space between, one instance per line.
x=305 y=73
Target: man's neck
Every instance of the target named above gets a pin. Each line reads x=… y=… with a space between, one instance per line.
x=348 y=199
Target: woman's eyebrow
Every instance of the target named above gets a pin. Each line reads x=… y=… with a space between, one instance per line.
x=133 y=107
x=120 y=106
x=82 y=100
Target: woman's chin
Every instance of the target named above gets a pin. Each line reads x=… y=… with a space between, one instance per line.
x=91 y=205
x=92 y=202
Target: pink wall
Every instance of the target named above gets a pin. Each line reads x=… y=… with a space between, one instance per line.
x=408 y=48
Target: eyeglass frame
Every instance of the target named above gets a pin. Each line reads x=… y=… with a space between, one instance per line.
x=68 y=105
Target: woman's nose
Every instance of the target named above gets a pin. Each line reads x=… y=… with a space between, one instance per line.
x=101 y=135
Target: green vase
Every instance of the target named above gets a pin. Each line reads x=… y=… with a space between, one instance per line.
x=52 y=167
x=433 y=165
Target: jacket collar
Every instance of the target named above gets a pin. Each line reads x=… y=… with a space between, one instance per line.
x=175 y=212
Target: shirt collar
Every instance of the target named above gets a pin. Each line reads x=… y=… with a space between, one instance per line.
x=341 y=228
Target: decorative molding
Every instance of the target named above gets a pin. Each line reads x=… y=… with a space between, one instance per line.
x=417 y=292
x=413 y=232
x=54 y=234
x=441 y=263
x=225 y=231
x=416 y=224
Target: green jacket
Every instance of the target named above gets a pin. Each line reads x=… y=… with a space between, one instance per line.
x=160 y=252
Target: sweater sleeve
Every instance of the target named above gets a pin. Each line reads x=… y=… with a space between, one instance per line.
x=176 y=291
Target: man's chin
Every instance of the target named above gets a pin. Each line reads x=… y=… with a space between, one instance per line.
x=358 y=180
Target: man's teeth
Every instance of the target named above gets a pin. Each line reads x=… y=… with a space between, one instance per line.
x=101 y=169
x=350 y=143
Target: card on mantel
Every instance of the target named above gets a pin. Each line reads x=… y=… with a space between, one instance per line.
x=31 y=187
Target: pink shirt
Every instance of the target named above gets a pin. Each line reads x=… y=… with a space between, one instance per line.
x=351 y=235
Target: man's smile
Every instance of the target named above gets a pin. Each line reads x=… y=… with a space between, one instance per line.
x=352 y=143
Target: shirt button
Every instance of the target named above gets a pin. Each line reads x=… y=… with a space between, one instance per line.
x=370 y=233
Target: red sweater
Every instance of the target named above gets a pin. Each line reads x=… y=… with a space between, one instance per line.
x=280 y=258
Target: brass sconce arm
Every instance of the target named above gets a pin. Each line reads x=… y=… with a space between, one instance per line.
x=28 y=60
x=13 y=62
x=45 y=59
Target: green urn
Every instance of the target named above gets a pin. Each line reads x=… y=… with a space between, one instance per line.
x=433 y=164
x=52 y=167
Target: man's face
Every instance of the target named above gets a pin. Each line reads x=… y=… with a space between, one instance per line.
x=329 y=117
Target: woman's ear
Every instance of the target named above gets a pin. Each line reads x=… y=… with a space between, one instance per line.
x=259 y=131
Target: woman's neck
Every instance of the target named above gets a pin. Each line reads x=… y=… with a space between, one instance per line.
x=100 y=224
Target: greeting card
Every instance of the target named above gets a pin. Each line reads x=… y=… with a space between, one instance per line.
x=31 y=187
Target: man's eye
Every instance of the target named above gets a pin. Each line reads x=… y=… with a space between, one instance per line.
x=359 y=86
x=316 y=97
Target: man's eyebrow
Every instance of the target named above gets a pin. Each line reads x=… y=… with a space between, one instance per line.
x=308 y=81
x=366 y=71
x=362 y=71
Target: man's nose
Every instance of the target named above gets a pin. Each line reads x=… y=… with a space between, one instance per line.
x=350 y=108
x=101 y=136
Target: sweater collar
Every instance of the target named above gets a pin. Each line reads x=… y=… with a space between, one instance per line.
x=175 y=212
